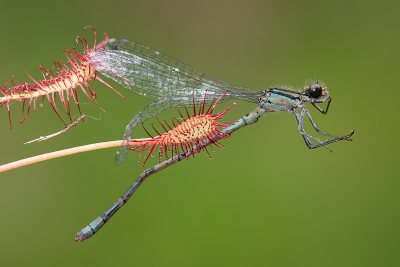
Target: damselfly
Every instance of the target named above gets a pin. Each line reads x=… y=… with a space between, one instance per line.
x=170 y=83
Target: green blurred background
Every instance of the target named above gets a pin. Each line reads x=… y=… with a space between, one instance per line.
x=264 y=200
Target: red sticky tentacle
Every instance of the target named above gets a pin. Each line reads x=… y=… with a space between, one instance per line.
x=192 y=135
x=63 y=80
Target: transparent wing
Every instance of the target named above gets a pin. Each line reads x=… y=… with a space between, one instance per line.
x=154 y=75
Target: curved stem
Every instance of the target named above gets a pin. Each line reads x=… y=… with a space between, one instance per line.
x=60 y=153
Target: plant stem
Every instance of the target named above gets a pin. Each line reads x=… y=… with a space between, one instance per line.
x=60 y=153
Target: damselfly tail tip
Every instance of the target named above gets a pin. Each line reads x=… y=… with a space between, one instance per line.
x=79 y=237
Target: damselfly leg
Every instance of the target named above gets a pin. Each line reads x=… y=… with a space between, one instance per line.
x=307 y=137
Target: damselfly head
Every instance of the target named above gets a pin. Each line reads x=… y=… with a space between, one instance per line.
x=316 y=90
x=317 y=93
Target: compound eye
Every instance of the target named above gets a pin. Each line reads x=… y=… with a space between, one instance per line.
x=314 y=90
